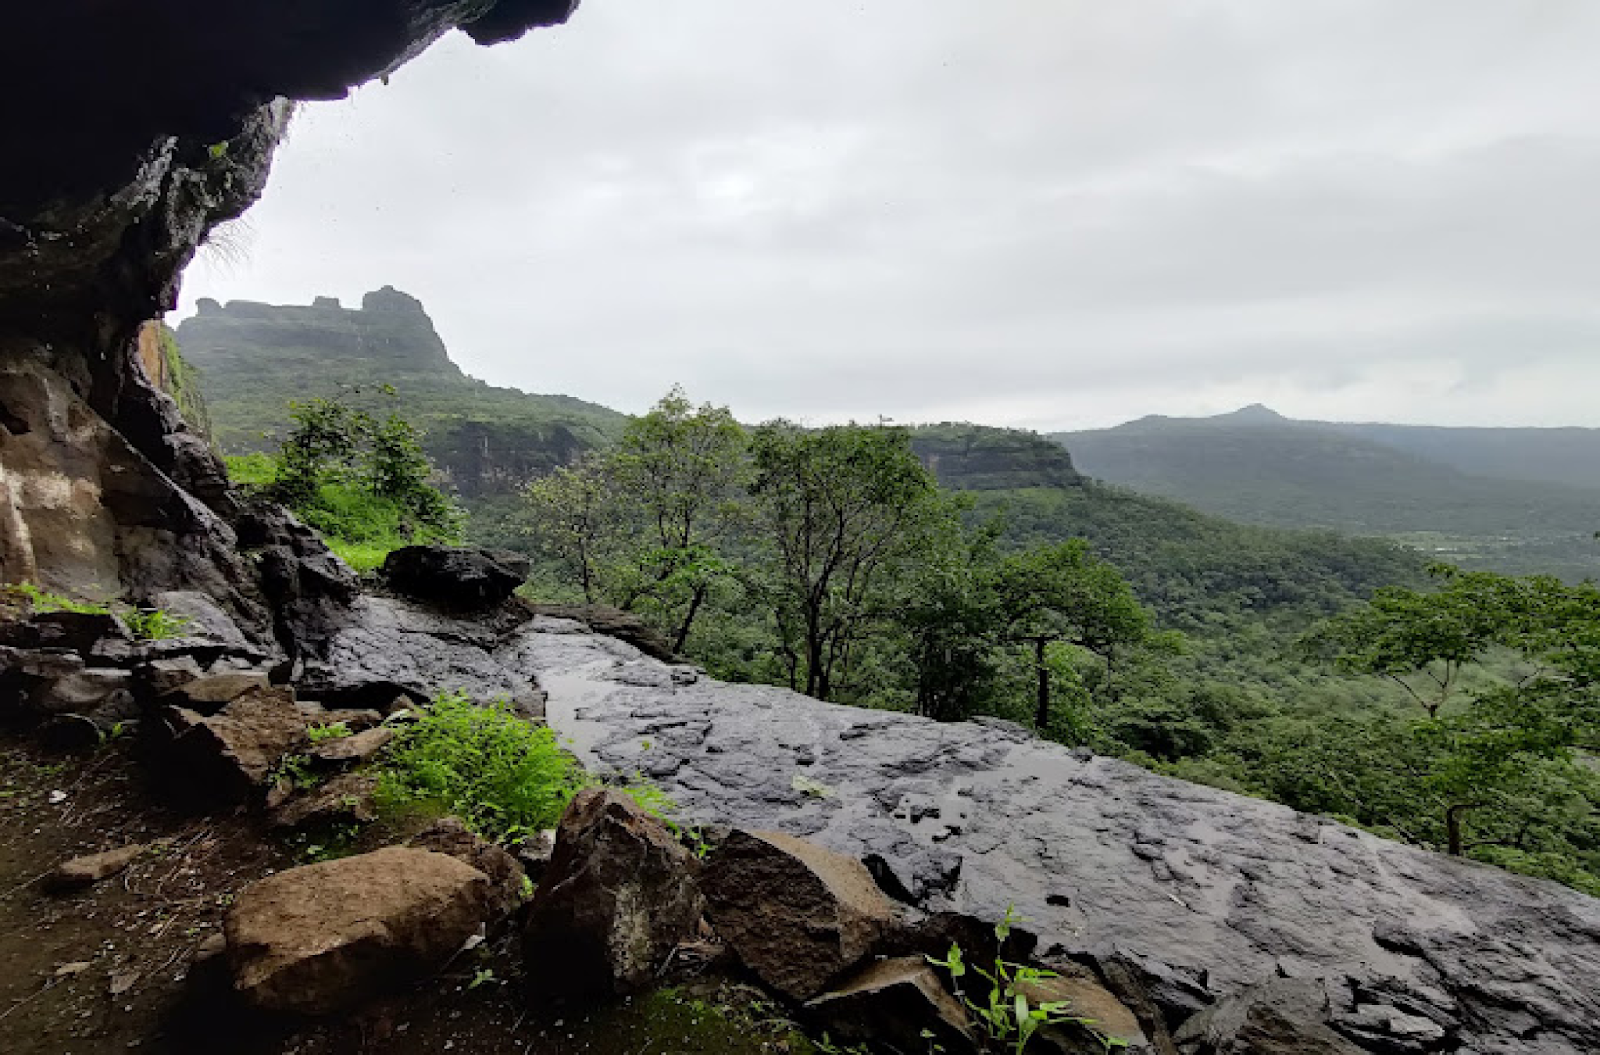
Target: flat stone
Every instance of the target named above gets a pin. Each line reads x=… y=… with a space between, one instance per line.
x=85 y=871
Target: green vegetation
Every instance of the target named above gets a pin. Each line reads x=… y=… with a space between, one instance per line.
x=1009 y=1013
x=362 y=481
x=502 y=775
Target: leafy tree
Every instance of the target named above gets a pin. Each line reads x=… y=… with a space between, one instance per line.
x=839 y=509
x=679 y=470
x=1062 y=593
x=573 y=519
x=1480 y=744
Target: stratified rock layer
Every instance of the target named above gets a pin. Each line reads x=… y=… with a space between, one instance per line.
x=1198 y=893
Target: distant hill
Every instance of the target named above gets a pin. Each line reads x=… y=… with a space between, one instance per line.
x=256 y=358
x=1400 y=482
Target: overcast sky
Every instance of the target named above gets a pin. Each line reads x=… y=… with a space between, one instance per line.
x=1042 y=213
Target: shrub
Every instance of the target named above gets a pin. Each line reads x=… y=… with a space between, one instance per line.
x=503 y=776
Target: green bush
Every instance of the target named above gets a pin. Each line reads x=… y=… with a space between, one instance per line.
x=502 y=775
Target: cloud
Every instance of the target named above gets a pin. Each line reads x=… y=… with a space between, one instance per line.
x=1044 y=213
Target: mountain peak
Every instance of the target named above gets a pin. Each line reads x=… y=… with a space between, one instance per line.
x=1254 y=414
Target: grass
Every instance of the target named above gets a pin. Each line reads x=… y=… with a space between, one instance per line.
x=503 y=776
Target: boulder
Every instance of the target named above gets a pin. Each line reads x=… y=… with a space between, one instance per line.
x=236 y=749
x=348 y=750
x=452 y=577
x=1285 y=1016
x=898 y=1002
x=85 y=871
x=346 y=799
x=323 y=937
x=1105 y=1018
x=212 y=692
x=618 y=895
x=506 y=878
x=796 y=914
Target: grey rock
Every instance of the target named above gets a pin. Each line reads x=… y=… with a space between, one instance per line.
x=1188 y=894
x=455 y=577
x=386 y=646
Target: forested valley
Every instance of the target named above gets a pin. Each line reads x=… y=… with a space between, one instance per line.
x=1340 y=676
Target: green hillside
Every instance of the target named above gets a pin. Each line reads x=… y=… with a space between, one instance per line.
x=1257 y=467
x=255 y=359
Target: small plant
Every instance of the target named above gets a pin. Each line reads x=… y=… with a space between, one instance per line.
x=330 y=731
x=155 y=624
x=296 y=769
x=1007 y=1015
x=43 y=601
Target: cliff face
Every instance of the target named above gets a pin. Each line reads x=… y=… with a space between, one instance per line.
x=123 y=171
x=257 y=358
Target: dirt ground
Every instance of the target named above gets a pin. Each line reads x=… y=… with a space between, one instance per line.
x=113 y=968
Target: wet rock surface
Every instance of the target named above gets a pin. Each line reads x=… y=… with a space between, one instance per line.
x=1194 y=893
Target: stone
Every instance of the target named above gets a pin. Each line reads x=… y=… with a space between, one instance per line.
x=236 y=749
x=86 y=871
x=323 y=937
x=897 y=1002
x=349 y=750
x=1107 y=1018
x=1177 y=895
x=212 y=692
x=506 y=878
x=162 y=675
x=796 y=914
x=618 y=896
x=1286 y=1016
x=346 y=799
x=453 y=577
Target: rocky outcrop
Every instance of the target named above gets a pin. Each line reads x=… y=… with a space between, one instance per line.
x=453 y=577
x=618 y=895
x=1189 y=894
x=323 y=937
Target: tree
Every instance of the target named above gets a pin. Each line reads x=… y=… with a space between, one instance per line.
x=679 y=471
x=1482 y=742
x=574 y=520
x=1064 y=593
x=839 y=510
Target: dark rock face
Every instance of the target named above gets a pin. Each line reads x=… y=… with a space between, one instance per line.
x=618 y=895
x=452 y=577
x=1191 y=894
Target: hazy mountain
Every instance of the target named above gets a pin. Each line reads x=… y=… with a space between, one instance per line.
x=1471 y=495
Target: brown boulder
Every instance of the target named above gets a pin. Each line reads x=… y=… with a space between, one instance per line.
x=618 y=895
x=346 y=799
x=898 y=1002
x=357 y=747
x=323 y=937
x=506 y=878
x=209 y=694
x=795 y=914
x=238 y=747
